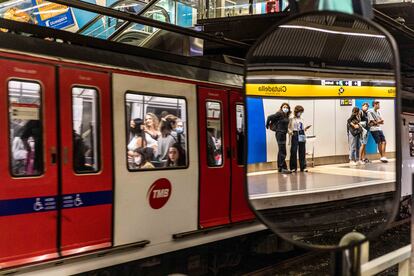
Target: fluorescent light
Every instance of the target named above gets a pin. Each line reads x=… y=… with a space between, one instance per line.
x=330 y=31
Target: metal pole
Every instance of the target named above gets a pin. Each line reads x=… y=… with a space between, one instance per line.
x=347 y=262
x=150 y=22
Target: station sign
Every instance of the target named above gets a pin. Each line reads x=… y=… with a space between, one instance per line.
x=320 y=88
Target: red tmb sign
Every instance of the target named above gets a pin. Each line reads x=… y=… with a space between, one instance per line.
x=159 y=193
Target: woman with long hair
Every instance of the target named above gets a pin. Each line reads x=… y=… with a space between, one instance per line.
x=176 y=156
x=167 y=137
x=152 y=133
x=354 y=132
x=138 y=139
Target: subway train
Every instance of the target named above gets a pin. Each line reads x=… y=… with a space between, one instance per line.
x=74 y=176
x=75 y=180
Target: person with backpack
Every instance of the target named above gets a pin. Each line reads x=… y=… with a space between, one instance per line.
x=354 y=133
x=279 y=123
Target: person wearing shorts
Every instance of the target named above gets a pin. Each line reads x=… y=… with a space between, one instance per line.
x=375 y=122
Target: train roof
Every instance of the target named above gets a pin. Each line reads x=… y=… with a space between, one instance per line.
x=80 y=49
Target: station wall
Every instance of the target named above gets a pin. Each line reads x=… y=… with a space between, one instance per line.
x=329 y=127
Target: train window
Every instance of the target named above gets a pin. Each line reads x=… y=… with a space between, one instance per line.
x=240 y=135
x=25 y=128
x=85 y=122
x=214 y=134
x=156 y=132
x=411 y=138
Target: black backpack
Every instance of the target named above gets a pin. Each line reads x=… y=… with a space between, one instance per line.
x=272 y=125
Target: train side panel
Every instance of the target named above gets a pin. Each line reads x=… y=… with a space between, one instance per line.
x=136 y=217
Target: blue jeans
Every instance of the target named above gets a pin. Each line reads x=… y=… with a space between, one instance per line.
x=354 y=145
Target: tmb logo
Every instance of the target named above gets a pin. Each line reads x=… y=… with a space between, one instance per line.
x=159 y=193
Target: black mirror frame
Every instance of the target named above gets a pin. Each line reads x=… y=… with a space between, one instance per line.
x=379 y=230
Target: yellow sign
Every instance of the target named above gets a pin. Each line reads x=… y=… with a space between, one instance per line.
x=316 y=91
x=48 y=10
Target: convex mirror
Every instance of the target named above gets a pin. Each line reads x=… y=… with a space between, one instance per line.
x=322 y=149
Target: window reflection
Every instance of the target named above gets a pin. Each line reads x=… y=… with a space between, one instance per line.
x=85 y=118
x=156 y=132
x=25 y=128
x=214 y=134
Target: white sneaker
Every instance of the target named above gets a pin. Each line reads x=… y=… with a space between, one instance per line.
x=352 y=163
x=360 y=162
x=384 y=159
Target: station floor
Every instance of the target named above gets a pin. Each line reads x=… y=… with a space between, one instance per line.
x=270 y=189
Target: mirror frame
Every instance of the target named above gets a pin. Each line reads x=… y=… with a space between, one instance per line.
x=390 y=218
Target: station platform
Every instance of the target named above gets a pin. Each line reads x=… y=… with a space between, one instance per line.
x=270 y=189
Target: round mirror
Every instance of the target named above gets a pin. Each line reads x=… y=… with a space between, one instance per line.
x=322 y=104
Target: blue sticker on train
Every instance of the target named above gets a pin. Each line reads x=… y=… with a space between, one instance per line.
x=19 y=206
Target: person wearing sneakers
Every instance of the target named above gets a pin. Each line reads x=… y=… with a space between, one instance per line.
x=364 y=134
x=354 y=132
x=375 y=121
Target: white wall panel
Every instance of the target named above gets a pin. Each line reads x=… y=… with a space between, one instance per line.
x=324 y=129
x=271 y=106
x=342 y=114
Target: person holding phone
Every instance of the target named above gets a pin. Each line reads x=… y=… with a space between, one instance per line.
x=297 y=133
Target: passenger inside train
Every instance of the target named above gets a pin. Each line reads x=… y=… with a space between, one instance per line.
x=158 y=141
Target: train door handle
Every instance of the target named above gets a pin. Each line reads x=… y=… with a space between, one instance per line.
x=65 y=155
x=53 y=155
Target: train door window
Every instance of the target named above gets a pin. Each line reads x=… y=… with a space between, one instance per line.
x=85 y=122
x=411 y=138
x=214 y=134
x=156 y=132
x=240 y=135
x=25 y=128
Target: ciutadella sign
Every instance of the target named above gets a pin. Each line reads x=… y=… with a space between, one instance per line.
x=321 y=89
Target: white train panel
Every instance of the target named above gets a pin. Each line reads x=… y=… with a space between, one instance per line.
x=135 y=219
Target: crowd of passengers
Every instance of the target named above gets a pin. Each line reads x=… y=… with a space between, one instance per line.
x=156 y=142
x=360 y=124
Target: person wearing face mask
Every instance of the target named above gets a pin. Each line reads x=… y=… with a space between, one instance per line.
x=142 y=158
x=179 y=130
x=298 y=140
x=279 y=123
x=365 y=132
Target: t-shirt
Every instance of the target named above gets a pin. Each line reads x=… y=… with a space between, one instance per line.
x=372 y=117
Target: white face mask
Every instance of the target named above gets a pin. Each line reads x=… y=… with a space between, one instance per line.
x=299 y=114
x=179 y=130
x=32 y=144
x=286 y=110
x=137 y=160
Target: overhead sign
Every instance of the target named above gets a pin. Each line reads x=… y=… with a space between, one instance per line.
x=318 y=90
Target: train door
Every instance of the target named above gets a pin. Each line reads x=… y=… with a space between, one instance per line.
x=28 y=169
x=86 y=161
x=407 y=155
x=215 y=165
x=239 y=209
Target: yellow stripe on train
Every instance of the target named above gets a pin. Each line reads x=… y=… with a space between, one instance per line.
x=312 y=91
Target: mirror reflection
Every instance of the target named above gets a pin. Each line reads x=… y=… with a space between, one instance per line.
x=321 y=129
